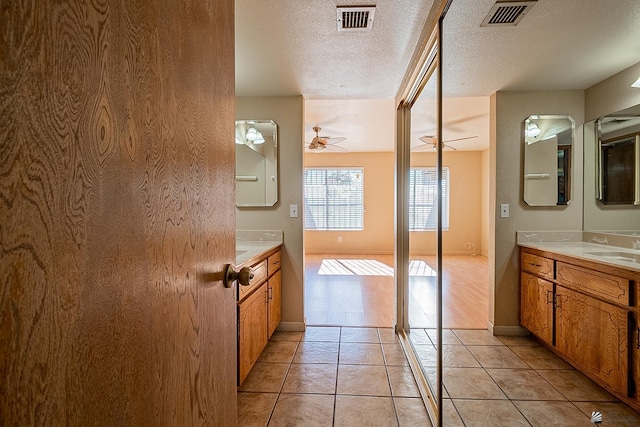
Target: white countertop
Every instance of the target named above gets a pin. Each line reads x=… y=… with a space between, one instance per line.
x=252 y=243
x=605 y=254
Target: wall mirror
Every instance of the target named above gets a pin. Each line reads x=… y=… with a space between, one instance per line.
x=256 y=163
x=548 y=159
x=618 y=159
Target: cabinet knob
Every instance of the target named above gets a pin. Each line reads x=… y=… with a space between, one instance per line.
x=243 y=276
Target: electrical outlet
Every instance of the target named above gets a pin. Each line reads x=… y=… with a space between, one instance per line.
x=293 y=211
x=504 y=210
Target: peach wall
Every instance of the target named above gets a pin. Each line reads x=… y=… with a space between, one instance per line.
x=377 y=236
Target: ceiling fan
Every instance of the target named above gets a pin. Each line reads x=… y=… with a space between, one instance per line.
x=322 y=143
x=431 y=143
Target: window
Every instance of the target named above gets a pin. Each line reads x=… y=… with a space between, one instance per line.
x=423 y=187
x=333 y=199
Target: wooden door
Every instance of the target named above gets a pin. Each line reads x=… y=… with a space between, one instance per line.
x=594 y=335
x=252 y=337
x=275 y=302
x=117 y=213
x=536 y=306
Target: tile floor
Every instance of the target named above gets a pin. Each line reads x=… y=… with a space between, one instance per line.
x=333 y=376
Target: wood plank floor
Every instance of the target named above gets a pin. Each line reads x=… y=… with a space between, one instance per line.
x=358 y=291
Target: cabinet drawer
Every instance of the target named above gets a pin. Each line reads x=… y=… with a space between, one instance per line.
x=600 y=285
x=259 y=275
x=273 y=263
x=537 y=265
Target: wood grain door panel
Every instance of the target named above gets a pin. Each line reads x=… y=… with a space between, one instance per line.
x=117 y=213
x=594 y=335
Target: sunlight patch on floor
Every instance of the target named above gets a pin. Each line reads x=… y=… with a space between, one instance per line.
x=420 y=268
x=354 y=267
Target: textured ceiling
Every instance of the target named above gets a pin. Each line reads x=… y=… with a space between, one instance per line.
x=292 y=47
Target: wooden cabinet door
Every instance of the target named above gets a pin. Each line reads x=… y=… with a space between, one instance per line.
x=594 y=335
x=536 y=306
x=274 y=297
x=252 y=337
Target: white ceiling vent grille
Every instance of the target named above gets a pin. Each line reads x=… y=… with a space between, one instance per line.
x=355 y=18
x=507 y=13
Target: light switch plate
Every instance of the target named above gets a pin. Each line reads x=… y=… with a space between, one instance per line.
x=504 y=210
x=293 y=211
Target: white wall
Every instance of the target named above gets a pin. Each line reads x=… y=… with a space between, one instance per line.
x=287 y=112
x=509 y=110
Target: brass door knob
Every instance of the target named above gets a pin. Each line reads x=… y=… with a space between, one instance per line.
x=243 y=276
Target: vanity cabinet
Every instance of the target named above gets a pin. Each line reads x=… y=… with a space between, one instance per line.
x=259 y=309
x=583 y=311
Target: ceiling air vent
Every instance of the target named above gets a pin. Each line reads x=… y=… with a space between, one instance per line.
x=355 y=18
x=505 y=13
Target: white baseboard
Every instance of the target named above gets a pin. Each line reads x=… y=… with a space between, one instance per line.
x=512 y=331
x=291 y=327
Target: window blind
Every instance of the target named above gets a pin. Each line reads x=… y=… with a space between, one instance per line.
x=423 y=192
x=333 y=199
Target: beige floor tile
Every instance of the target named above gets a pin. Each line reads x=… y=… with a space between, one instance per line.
x=539 y=357
x=286 y=336
x=494 y=356
x=524 y=384
x=363 y=380
x=360 y=354
x=545 y=414
x=576 y=387
x=419 y=336
x=278 y=352
x=411 y=412
x=368 y=335
x=519 y=340
x=483 y=413
x=394 y=355
x=364 y=411
x=431 y=373
x=402 y=382
x=426 y=353
x=254 y=409
x=316 y=352
x=265 y=377
x=303 y=410
x=448 y=337
x=321 y=333
x=388 y=335
x=613 y=414
x=477 y=337
x=470 y=383
x=311 y=378
x=450 y=415
x=457 y=356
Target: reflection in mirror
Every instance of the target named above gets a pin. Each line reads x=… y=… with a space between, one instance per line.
x=618 y=159
x=256 y=163
x=548 y=142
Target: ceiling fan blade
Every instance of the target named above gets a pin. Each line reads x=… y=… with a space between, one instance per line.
x=335 y=140
x=460 y=139
x=336 y=148
x=428 y=139
x=449 y=146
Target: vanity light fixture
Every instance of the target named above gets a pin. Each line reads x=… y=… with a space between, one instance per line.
x=533 y=130
x=636 y=83
x=252 y=133
x=259 y=139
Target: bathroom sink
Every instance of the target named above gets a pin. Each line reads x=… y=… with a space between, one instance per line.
x=616 y=255
x=238 y=253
